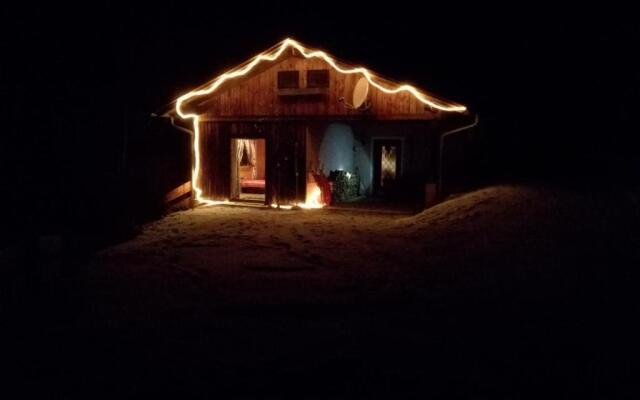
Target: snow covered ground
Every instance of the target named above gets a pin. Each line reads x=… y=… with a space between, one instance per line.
x=232 y=255
x=500 y=291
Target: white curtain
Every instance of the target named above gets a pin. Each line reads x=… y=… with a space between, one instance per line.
x=239 y=150
x=253 y=158
x=248 y=146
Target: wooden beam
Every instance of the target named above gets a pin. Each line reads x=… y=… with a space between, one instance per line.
x=326 y=118
x=177 y=193
x=303 y=92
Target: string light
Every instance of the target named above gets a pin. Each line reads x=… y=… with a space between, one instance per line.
x=273 y=55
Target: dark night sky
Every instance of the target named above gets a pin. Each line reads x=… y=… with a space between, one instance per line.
x=555 y=88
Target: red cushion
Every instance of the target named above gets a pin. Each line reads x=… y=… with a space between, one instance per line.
x=252 y=183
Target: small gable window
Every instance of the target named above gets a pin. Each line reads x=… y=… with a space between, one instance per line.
x=288 y=79
x=318 y=78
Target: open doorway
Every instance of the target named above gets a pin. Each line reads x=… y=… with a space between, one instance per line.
x=248 y=169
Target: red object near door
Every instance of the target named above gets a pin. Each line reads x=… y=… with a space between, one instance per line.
x=325 y=188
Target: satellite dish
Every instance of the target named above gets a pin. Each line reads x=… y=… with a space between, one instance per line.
x=360 y=92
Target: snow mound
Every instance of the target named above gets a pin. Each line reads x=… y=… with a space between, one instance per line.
x=493 y=206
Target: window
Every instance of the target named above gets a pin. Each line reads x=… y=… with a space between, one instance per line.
x=388 y=161
x=288 y=79
x=387 y=165
x=318 y=78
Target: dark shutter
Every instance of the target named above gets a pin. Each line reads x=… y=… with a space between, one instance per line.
x=215 y=170
x=288 y=79
x=318 y=78
x=286 y=169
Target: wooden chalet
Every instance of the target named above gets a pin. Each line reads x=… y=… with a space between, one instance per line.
x=294 y=124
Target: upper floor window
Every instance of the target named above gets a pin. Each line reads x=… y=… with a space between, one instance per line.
x=318 y=78
x=288 y=79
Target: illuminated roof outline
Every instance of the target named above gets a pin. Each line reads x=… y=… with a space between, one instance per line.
x=275 y=52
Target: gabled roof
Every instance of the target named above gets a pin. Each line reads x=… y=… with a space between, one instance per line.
x=275 y=52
